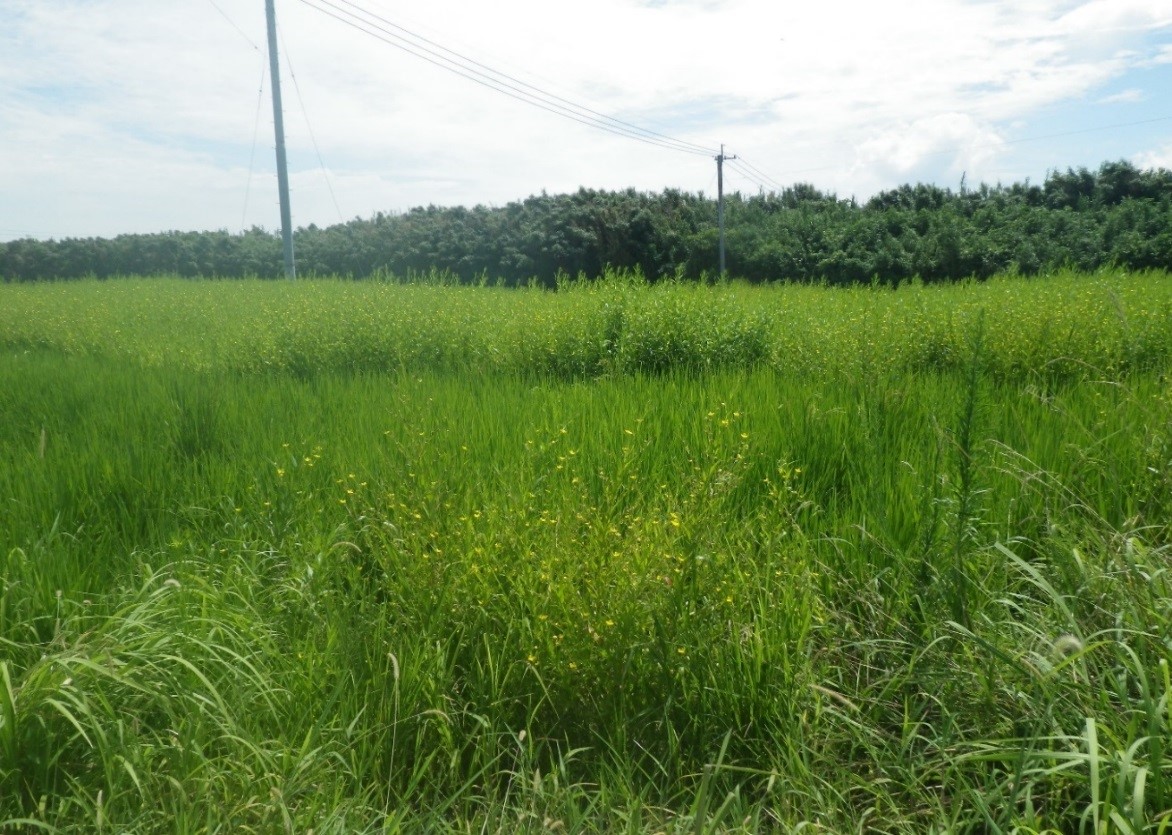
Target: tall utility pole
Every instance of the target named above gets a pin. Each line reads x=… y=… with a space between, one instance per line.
x=279 y=126
x=720 y=201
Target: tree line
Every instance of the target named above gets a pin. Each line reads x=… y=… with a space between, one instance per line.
x=1118 y=215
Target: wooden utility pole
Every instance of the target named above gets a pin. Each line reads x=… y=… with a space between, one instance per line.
x=279 y=127
x=720 y=201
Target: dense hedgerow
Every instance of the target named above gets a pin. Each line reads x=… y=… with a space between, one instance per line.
x=1115 y=216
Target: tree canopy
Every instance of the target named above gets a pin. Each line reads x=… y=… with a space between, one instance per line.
x=1118 y=215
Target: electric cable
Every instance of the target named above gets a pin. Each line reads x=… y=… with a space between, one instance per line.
x=1077 y=132
x=515 y=91
x=732 y=174
x=538 y=90
x=305 y=114
x=264 y=68
x=374 y=25
x=761 y=174
x=232 y=23
x=494 y=84
x=746 y=174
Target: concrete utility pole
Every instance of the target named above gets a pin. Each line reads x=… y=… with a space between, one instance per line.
x=279 y=126
x=720 y=201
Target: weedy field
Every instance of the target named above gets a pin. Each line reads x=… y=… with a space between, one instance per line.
x=373 y=557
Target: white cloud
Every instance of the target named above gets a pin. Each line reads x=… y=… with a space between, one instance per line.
x=1160 y=157
x=126 y=115
x=952 y=142
x=1124 y=97
x=1101 y=17
x=1163 y=56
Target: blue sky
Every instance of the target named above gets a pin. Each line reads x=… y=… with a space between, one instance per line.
x=139 y=116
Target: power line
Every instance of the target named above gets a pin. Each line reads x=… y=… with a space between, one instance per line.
x=761 y=175
x=309 y=127
x=232 y=23
x=539 y=99
x=503 y=83
x=264 y=67
x=510 y=62
x=745 y=175
x=538 y=90
x=1076 y=132
x=372 y=24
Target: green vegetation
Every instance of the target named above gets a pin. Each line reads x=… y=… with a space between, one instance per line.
x=1086 y=220
x=1068 y=325
x=622 y=558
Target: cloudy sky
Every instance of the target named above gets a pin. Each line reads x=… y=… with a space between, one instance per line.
x=148 y=115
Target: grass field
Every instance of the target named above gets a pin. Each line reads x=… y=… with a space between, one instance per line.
x=621 y=558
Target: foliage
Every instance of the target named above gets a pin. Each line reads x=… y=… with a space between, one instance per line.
x=1066 y=326
x=1116 y=216
x=914 y=578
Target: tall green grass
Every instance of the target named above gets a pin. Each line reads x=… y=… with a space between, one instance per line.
x=1111 y=323
x=864 y=595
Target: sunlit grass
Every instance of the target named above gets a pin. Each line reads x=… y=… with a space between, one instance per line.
x=848 y=591
x=1060 y=326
